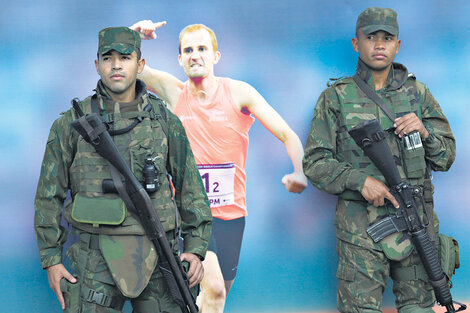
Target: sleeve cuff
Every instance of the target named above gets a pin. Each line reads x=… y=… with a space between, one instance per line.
x=196 y=245
x=430 y=139
x=356 y=180
x=50 y=261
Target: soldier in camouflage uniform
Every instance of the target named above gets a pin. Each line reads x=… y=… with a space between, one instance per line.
x=334 y=163
x=114 y=261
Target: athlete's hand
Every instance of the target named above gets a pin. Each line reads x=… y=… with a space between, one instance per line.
x=196 y=270
x=409 y=123
x=55 y=274
x=375 y=192
x=146 y=28
x=295 y=182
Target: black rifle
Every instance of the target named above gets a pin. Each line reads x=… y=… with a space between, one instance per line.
x=369 y=136
x=94 y=131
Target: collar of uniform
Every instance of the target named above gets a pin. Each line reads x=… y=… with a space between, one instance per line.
x=396 y=77
x=109 y=103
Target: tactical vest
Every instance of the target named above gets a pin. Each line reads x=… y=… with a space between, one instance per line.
x=92 y=210
x=355 y=108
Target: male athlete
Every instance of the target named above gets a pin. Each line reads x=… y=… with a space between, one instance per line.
x=217 y=114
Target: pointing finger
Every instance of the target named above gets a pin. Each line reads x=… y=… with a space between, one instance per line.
x=159 y=24
x=392 y=199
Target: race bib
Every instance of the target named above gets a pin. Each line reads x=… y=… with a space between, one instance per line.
x=218 y=180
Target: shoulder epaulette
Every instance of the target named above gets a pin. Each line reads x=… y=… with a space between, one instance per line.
x=337 y=81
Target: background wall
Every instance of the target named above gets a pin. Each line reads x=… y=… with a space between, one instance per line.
x=287 y=50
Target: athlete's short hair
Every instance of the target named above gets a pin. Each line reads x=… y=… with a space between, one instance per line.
x=194 y=27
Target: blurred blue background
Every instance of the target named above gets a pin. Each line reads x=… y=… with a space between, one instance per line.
x=287 y=50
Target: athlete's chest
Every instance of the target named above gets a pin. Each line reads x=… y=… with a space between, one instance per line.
x=217 y=115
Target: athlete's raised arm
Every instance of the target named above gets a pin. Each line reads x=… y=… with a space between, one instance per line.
x=165 y=85
x=250 y=99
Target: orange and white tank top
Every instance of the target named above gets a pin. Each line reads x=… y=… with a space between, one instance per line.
x=218 y=135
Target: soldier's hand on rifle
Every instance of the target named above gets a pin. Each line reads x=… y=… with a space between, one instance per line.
x=408 y=123
x=196 y=270
x=146 y=28
x=55 y=274
x=375 y=192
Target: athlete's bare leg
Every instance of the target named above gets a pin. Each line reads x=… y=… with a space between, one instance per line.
x=213 y=287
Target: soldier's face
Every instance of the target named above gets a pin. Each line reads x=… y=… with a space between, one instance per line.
x=119 y=72
x=377 y=50
x=197 y=54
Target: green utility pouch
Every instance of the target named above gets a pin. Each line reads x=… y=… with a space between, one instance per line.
x=448 y=254
x=71 y=294
x=98 y=211
x=414 y=162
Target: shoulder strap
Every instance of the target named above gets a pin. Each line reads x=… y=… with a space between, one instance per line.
x=373 y=96
x=95 y=107
x=161 y=115
x=160 y=112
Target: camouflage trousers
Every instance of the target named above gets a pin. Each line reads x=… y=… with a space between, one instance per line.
x=362 y=277
x=97 y=292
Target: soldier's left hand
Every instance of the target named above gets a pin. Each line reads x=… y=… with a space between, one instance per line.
x=295 y=182
x=196 y=270
x=408 y=123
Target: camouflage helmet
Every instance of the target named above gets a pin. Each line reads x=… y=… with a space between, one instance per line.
x=122 y=39
x=374 y=19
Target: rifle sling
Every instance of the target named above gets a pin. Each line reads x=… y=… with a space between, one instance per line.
x=120 y=188
x=371 y=94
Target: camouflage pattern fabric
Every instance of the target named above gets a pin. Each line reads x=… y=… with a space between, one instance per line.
x=120 y=251
x=96 y=280
x=71 y=164
x=335 y=164
x=363 y=275
x=374 y=19
x=122 y=39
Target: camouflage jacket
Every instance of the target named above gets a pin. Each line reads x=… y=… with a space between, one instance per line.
x=62 y=170
x=333 y=163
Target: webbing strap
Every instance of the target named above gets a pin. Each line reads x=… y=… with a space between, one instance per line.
x=95 y=108
x=92 y=133
x=160 y=113
x=373 y=96
x=120 y=188
x=93 y=296
x=413 y=272
x=145 y=306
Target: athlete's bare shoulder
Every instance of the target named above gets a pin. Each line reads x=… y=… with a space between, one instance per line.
x=243 y=93
x=165 y=85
